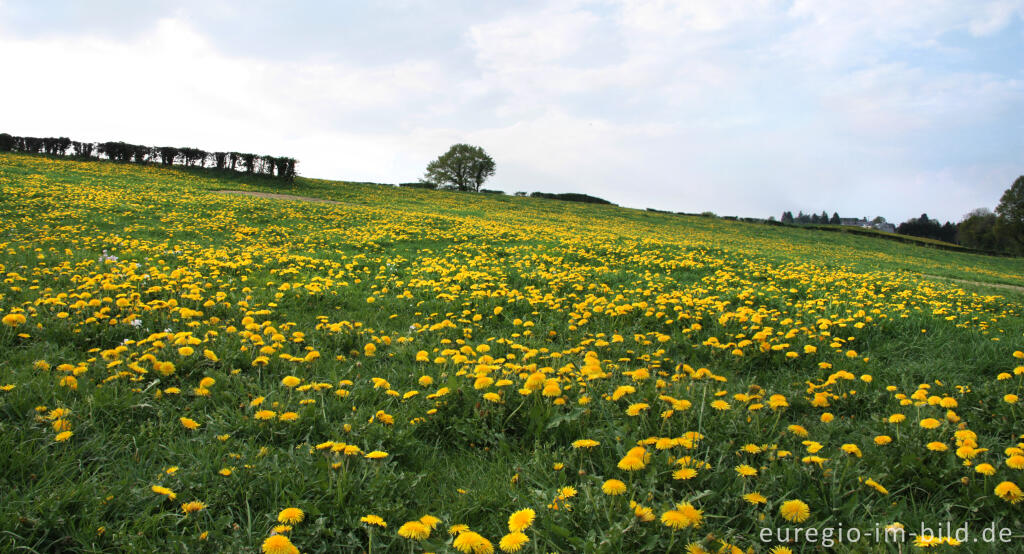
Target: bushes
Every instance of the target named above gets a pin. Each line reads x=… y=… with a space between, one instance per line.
x=571 y=197
x=272 y=166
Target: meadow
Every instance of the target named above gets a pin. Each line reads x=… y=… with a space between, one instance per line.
x=406 y=370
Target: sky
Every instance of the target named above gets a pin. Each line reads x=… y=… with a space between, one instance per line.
x=748 y=108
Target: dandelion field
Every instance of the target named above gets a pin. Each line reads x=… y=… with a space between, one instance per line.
x=406 y=370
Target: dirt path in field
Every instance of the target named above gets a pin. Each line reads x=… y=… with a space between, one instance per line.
x=1015 y=288
x=276 y=196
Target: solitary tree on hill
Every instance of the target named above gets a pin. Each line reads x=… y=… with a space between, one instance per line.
x=462 y=167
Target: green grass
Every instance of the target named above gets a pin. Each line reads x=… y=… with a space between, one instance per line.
x=437 y=265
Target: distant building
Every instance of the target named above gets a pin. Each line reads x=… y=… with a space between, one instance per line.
x=865 y=224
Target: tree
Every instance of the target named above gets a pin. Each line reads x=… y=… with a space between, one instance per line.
x=1010 y=226
x=928 y=228
x=977 y=229
x=462 y=167
x=835 y=219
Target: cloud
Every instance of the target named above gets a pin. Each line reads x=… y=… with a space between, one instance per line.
x=172 y=86
x=895 y=98
x=746 y=108
x=995 y=16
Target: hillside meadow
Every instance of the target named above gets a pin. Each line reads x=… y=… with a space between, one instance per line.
x=405 y=370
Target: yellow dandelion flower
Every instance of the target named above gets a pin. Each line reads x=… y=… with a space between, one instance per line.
x=797 y=430
x=291 y=516
x=684 y=473
x=471 y=542
x=164 y=491
x=613 y=487
x=194 y=506
x=795 y=511
x=430 y=521
x=1009 y=492
x=513 y=542
x=642 y=513
x=695 y=516
x=291 y=381
x=631 y=463
x=13 y=320
x=755 y=498
x=745 y=470
x=278 y=544
x=851 y=449
x=414 y=530
x=521 y=519
x=985 y=469
x=681 y=518
x=635 y=409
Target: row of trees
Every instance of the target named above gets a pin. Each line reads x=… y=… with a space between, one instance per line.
x=255 y=164
x=1000 y=231
x=801 y=217
x=925 y=227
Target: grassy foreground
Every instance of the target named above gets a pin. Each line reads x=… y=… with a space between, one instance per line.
x=181 y=368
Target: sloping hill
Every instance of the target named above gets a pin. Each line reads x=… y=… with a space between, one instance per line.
x=181 y=365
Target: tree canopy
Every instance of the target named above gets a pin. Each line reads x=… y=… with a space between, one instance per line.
x=1011 y=216
x=463 y=167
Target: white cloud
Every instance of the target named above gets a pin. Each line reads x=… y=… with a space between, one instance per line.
x=736 y=107
x=173 y=86
x=895 y=98
x=663 y=17
x=524 y=41
x=995 y=16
